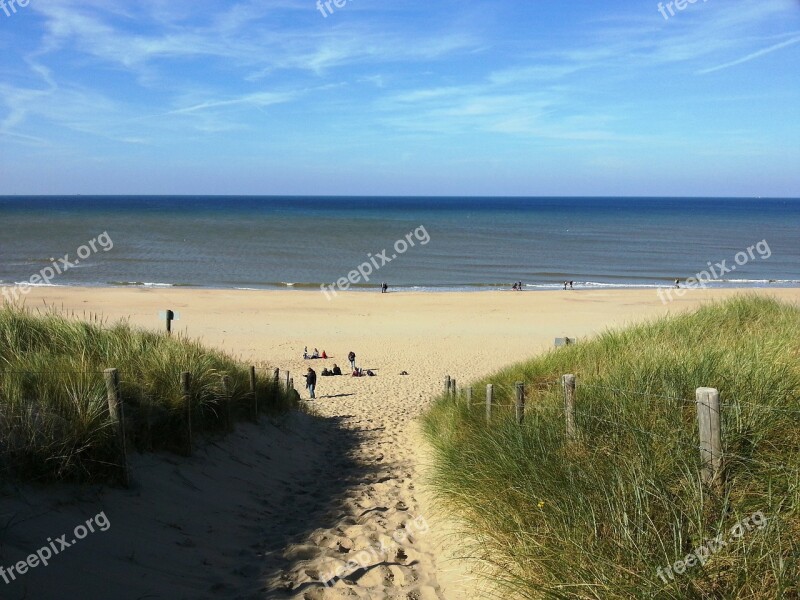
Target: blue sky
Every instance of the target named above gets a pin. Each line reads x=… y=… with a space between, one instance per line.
x=409 y=97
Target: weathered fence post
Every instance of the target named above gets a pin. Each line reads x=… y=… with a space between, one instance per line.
x=117 y=411
x=186 y=382
x=520 y=389
x=453 y=390
x=288 y=380
x=710 y=428
x=469 y=396
x=226 y=392
x=489 y=401
x=569 y=405
x=253 y=382
x=447 y=385
x=276 y=379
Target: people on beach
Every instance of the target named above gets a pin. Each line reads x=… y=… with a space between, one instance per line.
x=324 y=356
x=514 y=287
x=570 y=285
x=352 y=358
x=326 y=373
x=677 y=283
x=316 y=353
x=311 y=382
x=336 y=369
x=566 y=283
x=305 y=353
x=384 y=288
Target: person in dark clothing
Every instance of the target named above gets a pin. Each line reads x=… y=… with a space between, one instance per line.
x=352 y=358
x=336 y=370
x=311 y=382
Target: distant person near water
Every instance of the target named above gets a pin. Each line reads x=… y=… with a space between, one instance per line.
x=570 y=285
x=352 y=358
x=311 y=382
x=677 y=283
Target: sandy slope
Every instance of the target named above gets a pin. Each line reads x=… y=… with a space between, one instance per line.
x=273 y=510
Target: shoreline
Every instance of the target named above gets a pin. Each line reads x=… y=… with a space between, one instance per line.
x=466 y=288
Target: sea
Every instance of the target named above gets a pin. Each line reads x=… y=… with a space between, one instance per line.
x=414 y=244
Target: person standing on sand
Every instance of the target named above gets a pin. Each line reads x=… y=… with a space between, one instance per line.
x=311 y=382
x=352 y=358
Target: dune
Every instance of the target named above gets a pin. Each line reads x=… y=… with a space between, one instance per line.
x=279 y=509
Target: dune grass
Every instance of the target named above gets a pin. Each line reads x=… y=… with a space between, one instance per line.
x=597 y=519
x=54 y=420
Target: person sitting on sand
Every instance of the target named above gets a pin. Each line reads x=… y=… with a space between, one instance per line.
x=316 y=353
x=336 y=369
x=305 y=353
x=311 y=382
x=324 y=355
x=326 y=373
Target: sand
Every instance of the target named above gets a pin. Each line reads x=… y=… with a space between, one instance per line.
x=275 y=508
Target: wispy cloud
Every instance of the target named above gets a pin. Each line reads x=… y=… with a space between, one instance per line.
x=752 y=56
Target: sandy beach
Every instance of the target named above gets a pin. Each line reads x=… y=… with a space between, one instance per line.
x=273 y=509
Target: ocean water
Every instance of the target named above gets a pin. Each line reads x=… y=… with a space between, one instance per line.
x=458 y=243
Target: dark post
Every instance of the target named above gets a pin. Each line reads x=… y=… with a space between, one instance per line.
x=226 y=392
x=520 y=389
x=186 y=382
x=117 y=411
x=170 y=317
x=489 y=401
x=253 y=391
x=447 y=385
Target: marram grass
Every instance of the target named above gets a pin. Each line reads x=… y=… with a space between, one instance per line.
x=596 y=520
x=54 y=419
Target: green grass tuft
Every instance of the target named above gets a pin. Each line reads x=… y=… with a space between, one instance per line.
x=54 y=420
x=597 y=519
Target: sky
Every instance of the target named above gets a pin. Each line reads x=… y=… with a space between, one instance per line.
x=433 y=97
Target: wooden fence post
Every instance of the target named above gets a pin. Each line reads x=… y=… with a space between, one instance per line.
x=447 y=385
x=569 y=405
x=276 y=377
x=710 y=427
x=520 y=389
x=288 y=380
x=469 y=396
x=253 y=382
x=226 y=392
x=186 y=382
x=117 y=411
x=489 y=401
x=453 y=390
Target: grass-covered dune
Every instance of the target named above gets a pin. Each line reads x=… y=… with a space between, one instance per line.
x=599 y=518
x=54 y=416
